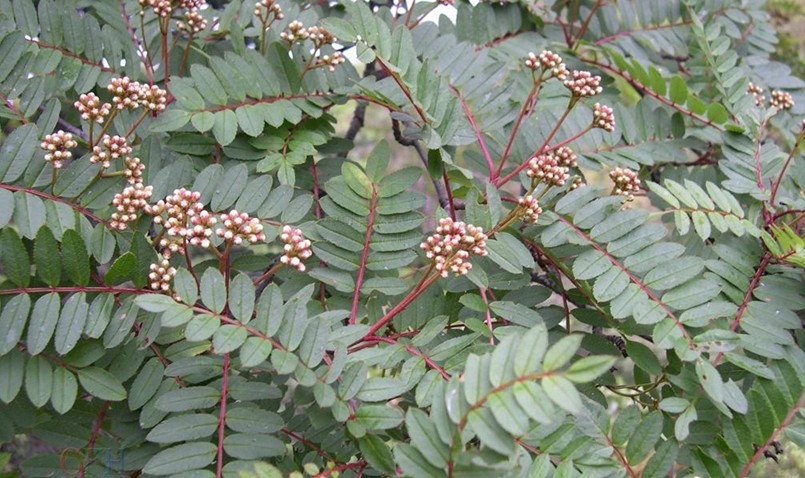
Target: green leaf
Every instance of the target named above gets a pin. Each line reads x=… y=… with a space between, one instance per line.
x=188 y=398
x=531 y=350
x=228 y=338
x=378 y=417
x=71 y=323
x=589 y=368
x=38 y=381
x=229 y=188
x=181 y=458
x=101 y=384
x=662 y=461
x=644 y=437
x=201 y=327
x=184 y=428
x=12 y=369
x=44 y=318
x=102 y=244
x=75 y=257
x=65 y=390
x=47 y=257
x=678 y=90
x=717 y=113
x=225 y=127
x=123 y=269
x=241 y=298
x=146 y=384
x=561 y=352
x=250 y=446
x=213 y=290
x=710 y=380
x=562 y=392
x=375 y=451
x=14 y=258
x=154 y=302
x=12 y=321
x=18 y=148
x=425 y=437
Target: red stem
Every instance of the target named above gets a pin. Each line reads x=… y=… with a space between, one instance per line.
x=761 y=269
x=487 y=315
x=51 y=197
x=364 y=256
x=221 y=420
x=478 y=134
x=450 y=204
x=347 y=466
x=404 y=90
x=149 y=68
x=501 y=181
x=520 y=116
x=776 y=185
x=428 y=361
x=423 y=284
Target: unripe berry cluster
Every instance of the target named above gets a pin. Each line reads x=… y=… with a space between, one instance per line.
x=178 y=207
x=239 y=226
x=603 y=117
x=626 y=182
x=57 y=147
x=162 y=8
x=128 y=204
x=584 y=83
x=530 y=209
x=296 y=248
x=782 y=100
x=114 y=147
x=547 y=61
x=134 y=170
x=546 y=168
x=452 y=244
x=161 y=275
x=296 y=32
x=200 y=230
x=193 y=22
x=91 y=109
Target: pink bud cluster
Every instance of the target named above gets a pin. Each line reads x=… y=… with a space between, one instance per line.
x=547 y=169
x=128 y=204
x=757 y=92
x=452 y=244
x=584 y=83
x=547 y=61
x=296 y=32
x=193 y=22
x=91 y=109
x=564 y=156
x=331 y=61
x=114 y=147
x=626 y=182
x=161 y=275
x=530 y=209
x=603 y=117
x=57 y=147
x=238 y=226
x=578 y=182
x=200 y=230
x=264 y=8
x=162 y=8
x=296 y=248
x=178 y=207
x=132 y=94
x=134 y=170
x=320 y=36
x=782 y=100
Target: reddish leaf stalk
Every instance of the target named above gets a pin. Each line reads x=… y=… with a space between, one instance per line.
x=423 y=284
x=364 y=256
x=428 y=361
x=219 y=465
x=520 y=116
x=501 y=181
x=96 y=430
x=762 y=449
x=776 y=185
x=51 y=197
x=761 y=269
x=487 y=315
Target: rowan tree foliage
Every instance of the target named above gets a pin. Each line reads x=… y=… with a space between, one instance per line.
x=595 y=270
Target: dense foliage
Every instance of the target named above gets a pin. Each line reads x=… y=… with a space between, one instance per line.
x=204 y=276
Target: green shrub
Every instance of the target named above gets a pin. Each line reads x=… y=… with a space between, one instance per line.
x=205 y=273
